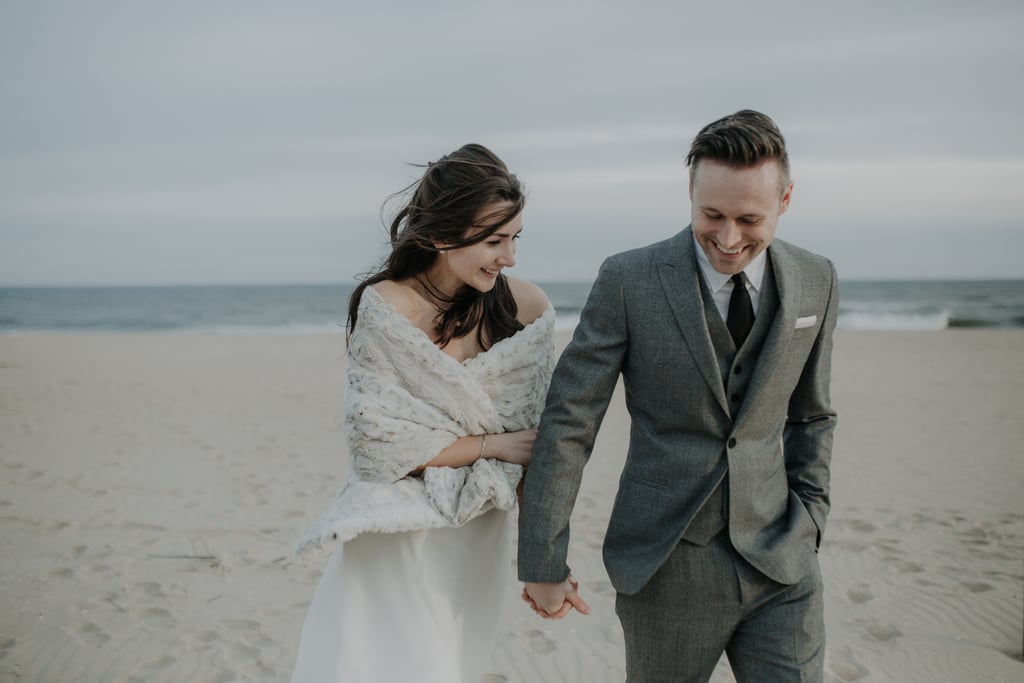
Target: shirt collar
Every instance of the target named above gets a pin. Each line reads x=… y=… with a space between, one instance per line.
x=715 y=280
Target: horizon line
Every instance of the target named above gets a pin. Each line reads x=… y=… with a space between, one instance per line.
x=352 y=283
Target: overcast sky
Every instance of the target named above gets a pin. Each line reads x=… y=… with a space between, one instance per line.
x=250 y=142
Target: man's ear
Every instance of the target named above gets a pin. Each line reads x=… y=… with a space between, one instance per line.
x=786 y=197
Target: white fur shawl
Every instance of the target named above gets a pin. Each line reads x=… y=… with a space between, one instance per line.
x=405 y=402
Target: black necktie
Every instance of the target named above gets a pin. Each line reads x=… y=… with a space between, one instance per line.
x=741 y=312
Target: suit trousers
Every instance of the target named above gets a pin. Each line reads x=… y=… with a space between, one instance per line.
x=706 y=600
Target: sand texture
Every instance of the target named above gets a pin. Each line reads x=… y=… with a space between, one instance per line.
x=151 y=488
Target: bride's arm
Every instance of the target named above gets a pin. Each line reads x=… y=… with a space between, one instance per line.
x=513 y=447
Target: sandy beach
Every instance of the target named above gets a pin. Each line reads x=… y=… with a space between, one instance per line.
x=152 y=486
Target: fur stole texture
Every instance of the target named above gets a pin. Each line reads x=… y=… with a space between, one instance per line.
x=405 y=402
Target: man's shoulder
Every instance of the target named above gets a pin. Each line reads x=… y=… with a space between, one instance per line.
x=803 y=257
x=815 y=272
x=662 y=250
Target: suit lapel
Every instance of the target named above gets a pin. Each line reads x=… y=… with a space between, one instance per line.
x=787 y=283
x=678 y=272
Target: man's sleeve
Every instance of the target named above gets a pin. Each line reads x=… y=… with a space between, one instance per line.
x=581 y=388
x=812 y=421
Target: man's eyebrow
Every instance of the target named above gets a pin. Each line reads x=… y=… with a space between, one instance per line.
x=705 y=207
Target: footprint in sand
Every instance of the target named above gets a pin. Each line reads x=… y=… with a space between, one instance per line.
x=847 y=546
x=243 y=624
x=112 y=599
x=129 y=678
x=158 y=613
x=494 y=678
x=257 y=640
x=612 y=634
x=159 y=663
x=860 y=594
x=539 y=641
x=891 y=545
x=202 y=641
x=5 y=646
x=883 y=632
x=220 y=676
x=600 y=588
x=908 y=567
x=846 y=667
x=148 y=590
x=247 y=653
x=860 y=525
x=93 y=634
x=976 y=587
x=975 y=537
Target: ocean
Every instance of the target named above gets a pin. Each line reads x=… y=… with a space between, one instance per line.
x=316 y=309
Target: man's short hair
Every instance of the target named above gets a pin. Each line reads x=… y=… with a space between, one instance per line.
x=744 y=139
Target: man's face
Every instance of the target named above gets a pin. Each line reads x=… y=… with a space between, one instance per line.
x=735 y=211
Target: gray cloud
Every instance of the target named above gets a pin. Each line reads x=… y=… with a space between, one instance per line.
x=238 y=141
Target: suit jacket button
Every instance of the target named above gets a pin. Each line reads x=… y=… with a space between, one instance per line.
x=735 y=398
x=732 y=443
x=738 y=369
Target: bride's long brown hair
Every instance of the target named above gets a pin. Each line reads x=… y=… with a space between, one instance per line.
x=443 y=205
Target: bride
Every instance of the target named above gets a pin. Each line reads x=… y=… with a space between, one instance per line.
x=448 y=364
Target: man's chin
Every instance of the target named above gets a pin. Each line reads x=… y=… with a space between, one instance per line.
x=729 y=267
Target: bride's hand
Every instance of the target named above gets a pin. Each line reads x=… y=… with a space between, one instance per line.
x=513 y=447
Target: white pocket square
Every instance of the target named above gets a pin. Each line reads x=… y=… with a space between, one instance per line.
x=807 y=321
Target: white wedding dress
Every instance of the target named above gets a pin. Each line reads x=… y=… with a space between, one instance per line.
x=413 y=607
x=414 y=588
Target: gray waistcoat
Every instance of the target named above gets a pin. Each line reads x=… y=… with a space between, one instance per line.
x=736 y=367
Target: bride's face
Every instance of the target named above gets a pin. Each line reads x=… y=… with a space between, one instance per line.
x=478 y=265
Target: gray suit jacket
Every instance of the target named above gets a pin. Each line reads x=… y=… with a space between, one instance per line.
x=645 y=319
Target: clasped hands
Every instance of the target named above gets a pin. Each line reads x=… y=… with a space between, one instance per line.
x=555 y=600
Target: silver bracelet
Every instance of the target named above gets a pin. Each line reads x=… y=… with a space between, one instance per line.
x=483 y=445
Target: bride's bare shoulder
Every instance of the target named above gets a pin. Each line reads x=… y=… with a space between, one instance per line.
x=409 y=302
x=531 y=301
x=401 y=296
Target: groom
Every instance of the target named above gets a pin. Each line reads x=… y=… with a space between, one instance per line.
x=723 y=337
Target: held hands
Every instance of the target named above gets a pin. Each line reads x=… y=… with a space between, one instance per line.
x=554 y=600
x=513 y=447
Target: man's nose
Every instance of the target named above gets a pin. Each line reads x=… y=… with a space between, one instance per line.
x=729 y=234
